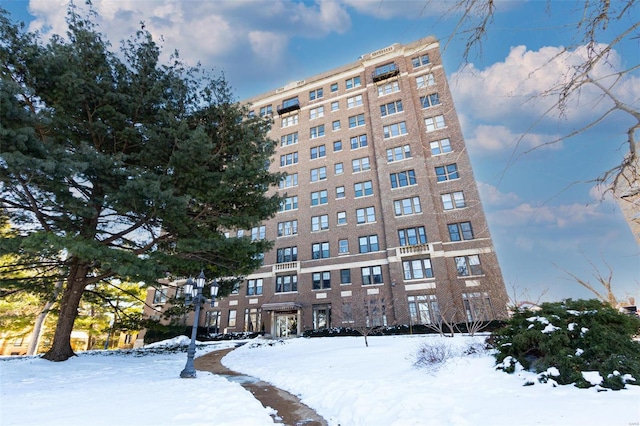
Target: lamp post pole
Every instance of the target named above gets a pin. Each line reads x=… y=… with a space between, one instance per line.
x=195 y=293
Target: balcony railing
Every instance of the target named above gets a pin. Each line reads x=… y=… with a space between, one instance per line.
x=288 y=107
x=413 y=250
x=286 y=266
x=385 y=72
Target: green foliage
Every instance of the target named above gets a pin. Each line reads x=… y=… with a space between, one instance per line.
x=564 y=339
x=118 y=166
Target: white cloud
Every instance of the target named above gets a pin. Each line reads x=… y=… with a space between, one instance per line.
x=493 y=138
x=562 y=216
x=516 y=87
x=492 y=196
x=235 y=36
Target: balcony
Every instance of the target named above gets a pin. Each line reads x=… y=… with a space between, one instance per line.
x=285 y=267
x=384 y=72
x=413 y=250
x=288 y=106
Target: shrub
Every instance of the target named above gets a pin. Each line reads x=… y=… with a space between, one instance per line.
x=571 y=337
x=433 y=354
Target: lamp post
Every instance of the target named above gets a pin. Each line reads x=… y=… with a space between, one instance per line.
x=194 y=295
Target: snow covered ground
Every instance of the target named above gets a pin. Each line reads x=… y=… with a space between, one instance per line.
x=344 y=381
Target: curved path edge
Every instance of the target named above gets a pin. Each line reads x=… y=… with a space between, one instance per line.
x=290 y=410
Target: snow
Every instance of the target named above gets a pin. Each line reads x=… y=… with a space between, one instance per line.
x=344 y=381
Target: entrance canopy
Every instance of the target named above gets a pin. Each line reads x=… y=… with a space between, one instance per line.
x=282 y=306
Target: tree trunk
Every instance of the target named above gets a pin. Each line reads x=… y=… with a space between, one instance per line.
x=61 y=348
x=37 y=328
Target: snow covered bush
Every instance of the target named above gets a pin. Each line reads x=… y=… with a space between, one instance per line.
x=569 y=341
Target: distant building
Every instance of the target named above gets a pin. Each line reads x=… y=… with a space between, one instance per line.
x=382 y=211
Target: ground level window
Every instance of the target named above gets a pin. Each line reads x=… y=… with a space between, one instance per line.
x=321 y=316
x=478 y=306
x=232 y=317
x=252 y=319
x=423 y=309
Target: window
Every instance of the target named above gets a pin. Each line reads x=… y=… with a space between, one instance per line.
x=319 y=197
x=334 y=87
x=338 y=168
x=287 y=254
x=258 y=233
x=454 y=200
x=425 y=80
x=288 y=181
x=368 y=243
x=321 y=280
x=232 y=317
x=358 y=141
x=345 y=276
x=316 y=112
x=371 y=275
x=354 y=101
x=352 y=83
x=343 y=246
x=252 y=319
x=391 y=108
x=407 y=206
x=252 y=114
x=420 y=61
x=366 y=215
x=460 y=231
x=315 y=94
x=434 y=123
x=287 y=228
x=289 y=139
x=289 y=203
x=342 y=218
x=362 y=189
x=340 y=192
x=356 y=121
x=319 y=223
x=320 y=250
x=266 y=110
x=405 y=178
x=417 y=269
x=394 y=130
x=254 y=287
x=423 y=309
x=468 y=265
x=387 y=88
x=360 y=164
x=236 y=288
x=412 y=236
x=335 y=105
x=478 y=306
x=335 y=125
x=398 y=153
x=318 y=151
x=375 y=313
x=316 y=132
x=337 y=146
x=286 y=283
x=318 y=174
x=429 y=100
x=288 y=159
x=448 y=172
x=290 y=120
x=440 y=147
x=160 y=295
x=321 y=316
x=240 y=233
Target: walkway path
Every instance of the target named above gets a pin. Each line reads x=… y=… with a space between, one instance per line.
x=290 y=411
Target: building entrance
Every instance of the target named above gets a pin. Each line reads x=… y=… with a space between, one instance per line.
x=286 y=325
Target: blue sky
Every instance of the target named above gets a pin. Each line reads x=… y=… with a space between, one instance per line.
x=544 y=215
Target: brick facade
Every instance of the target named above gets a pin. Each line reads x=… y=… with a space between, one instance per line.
x=387 y=77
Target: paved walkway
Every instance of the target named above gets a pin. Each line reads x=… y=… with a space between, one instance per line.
x=290 y=411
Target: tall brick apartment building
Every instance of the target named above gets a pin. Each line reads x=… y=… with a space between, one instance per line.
x=382 y=214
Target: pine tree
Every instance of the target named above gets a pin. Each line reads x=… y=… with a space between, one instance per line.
x=120 y=167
